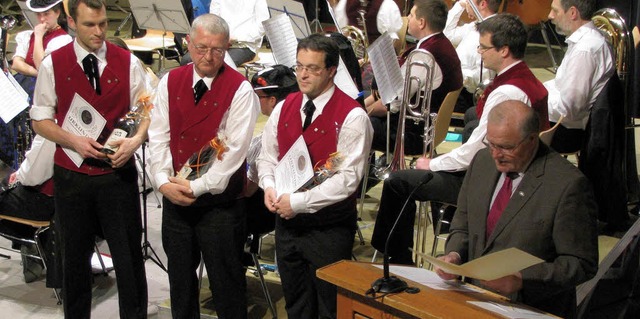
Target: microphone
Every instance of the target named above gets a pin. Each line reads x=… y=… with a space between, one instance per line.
x=393 y=284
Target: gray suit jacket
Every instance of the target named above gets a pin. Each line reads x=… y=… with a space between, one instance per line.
x=552 y=215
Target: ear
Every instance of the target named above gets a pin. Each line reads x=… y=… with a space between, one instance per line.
x=71 y=23
x=188 y=39
x=573 y=13
x=333 y=71
x=504 y=51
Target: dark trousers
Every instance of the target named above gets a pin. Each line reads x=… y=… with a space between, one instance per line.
x=443 y=187
x=567 y=140
x=241 y=55
x=413 y=140
x=300 y=252
x=217 y=233
x=85 y=206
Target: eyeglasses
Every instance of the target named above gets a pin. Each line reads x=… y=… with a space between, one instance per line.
x=502 y=148
x=202 y=50
x=263 y=96
x=313 y=69
x=482 y=49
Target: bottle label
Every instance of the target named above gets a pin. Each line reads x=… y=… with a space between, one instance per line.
x=116 y=135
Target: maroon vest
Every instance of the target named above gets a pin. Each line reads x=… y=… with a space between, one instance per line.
x=371 y=16
x=318 y=137
x=193 y=126
x=45 y=41
x=112 y=104
x=521 y=77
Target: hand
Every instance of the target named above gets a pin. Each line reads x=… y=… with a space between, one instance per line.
x=452 y=258
x=505 y=285
x=283 y=207
x=423 y=163
x=270 y=199
x=176 y=191
x=13 y=178
x=39 y=30
x=126 y=148
x=87 y=147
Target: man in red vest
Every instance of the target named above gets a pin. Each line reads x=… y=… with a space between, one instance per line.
x=503 y=40
x=316 y=227
x=83 y=84
x=203 y=216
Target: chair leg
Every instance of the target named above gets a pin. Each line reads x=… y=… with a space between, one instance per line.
x=263 y=283
x=104 y=268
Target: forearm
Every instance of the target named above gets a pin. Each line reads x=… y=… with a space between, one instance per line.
x=51 y=131
x=20 y=66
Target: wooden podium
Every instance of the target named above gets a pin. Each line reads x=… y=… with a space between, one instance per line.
x=354 y=278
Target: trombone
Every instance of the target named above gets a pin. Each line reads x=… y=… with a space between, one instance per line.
x=418 y=84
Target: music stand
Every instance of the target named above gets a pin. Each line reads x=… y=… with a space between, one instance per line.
x=295 y=12
x=165 y=15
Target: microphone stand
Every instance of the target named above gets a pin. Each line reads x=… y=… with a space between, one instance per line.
x=147 y=250
x=393 y=284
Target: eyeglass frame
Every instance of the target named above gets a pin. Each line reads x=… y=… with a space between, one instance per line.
x=482 y=49
x=311 y=69
x=502 y=149
x=203 y=50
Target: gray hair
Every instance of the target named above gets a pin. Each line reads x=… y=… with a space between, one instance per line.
x=210 y=23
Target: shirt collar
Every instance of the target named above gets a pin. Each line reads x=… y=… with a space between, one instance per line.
x=196 y=78
x=581 y=32
x=426 y=38
x=321 y=100
x=81 y=53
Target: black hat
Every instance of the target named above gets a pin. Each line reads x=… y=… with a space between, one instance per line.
x=276 y=77
x=41 y=5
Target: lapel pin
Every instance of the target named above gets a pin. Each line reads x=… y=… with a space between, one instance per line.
x=521 y=193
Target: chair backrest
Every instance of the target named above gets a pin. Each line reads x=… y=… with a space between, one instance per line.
x=547 y=136
x=444 y=116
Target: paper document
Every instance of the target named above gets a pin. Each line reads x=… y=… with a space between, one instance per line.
x=282 y=39
x=15 y=99
x=385 y=68
x=83 y=120
x=295 y=13
x=429 y=278
x=489 y=267
x=509 y=310
x=294 y=169
x=344 y=81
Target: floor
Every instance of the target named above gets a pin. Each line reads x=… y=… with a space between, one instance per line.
x=34 y=300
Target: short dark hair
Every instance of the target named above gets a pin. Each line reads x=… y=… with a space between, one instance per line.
x=320 y=42
x=434 y=13
x=493 y=5
x=506 y=30
x=93 y=4
x=586 y=8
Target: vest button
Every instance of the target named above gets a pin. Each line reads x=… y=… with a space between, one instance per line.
x=180 y=151
x=109 y=81
x=182 y=137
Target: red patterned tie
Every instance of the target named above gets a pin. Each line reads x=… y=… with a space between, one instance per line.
x=501 y=201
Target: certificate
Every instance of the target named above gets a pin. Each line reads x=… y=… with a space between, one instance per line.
x=294 y=169
x=83 y=120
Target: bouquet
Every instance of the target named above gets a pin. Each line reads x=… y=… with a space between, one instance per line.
x=322 y=172
x=200 y=161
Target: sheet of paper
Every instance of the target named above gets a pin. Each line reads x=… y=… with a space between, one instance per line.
x=282 y=39
x=295 y=11
x=428 y=278
x=14 y=98
x=489 y=267
x=385 y=68
x=294 y=169
x=344 y=81
x=509 y=310
x=83 y=120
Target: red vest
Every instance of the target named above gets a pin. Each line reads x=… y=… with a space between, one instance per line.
x=321 y=138
x=521 y=77
x=448 y=61
x=112 y=104
x=371 y=16
x=193 y=126
x=45 y=41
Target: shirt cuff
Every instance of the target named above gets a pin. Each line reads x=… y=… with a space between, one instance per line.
x=197 y=187
x=161 y=179
x=297 y=203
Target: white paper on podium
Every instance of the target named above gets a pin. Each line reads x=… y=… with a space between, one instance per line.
x=282 y=39
x=295 y=11
x=385 y=68
x=344 y=81
x=167 y=15
x=15 y=99
x=294 y=169
x=429 y=278
x=509 y=310
x=489 y=267
x=83 y=120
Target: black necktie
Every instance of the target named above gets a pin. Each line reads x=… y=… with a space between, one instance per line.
x=308 y=110
x=199 y=90
x=90 y=66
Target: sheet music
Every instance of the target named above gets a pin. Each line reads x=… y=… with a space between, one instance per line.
x=333 y=16
x=344 y=81
x=15 y=99
x=385 y=68
x=295 y=11
x=282 y=38
x=82 y=120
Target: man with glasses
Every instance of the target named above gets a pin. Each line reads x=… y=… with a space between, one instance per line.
x=503 y=40
x=203 y=216
x=519 y=193
x=316 y=227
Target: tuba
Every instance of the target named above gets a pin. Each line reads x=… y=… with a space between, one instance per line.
x=358 y=36
x=419 y=85
x=614 y=29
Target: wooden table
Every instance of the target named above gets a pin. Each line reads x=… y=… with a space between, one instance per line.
x=354 y=278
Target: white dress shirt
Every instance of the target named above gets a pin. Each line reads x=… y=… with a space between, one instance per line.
x=45 y=99
x=460 y=158
x=22 y=43
x=387 y=20
x=466 y=40
x=585 y=69
x=245 y=20
x=237 y=124
x=354 y=142
x=37 y=166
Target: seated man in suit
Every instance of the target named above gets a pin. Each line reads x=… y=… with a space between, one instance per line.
x=585 y=69
x=503 y=40
x=426 y=22
x=551 y=214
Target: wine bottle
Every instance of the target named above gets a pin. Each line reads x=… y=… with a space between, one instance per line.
x=125 y=127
